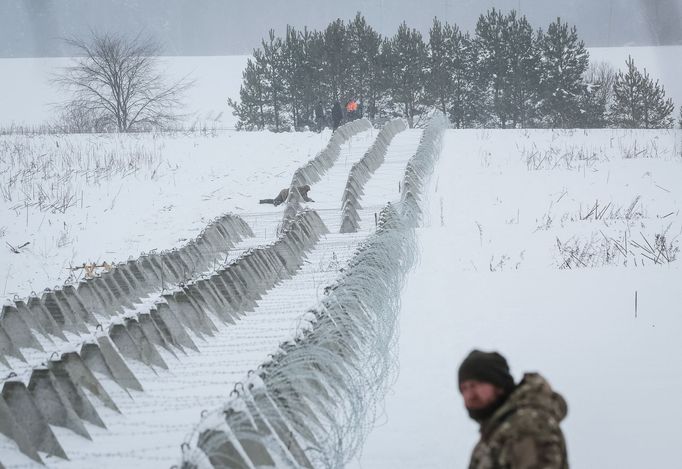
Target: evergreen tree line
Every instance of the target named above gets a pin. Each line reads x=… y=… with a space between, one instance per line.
x=505 y=75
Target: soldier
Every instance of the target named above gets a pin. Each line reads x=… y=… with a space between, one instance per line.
x=519 y=423
x=319 y=117
x=284 y=193
x=337 y=115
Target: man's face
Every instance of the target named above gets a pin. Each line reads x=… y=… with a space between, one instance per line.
x=478 y=394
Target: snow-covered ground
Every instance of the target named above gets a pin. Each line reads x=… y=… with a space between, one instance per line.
x=522 y=251
x=28 y=96
x=490 y=277
x=58 y=196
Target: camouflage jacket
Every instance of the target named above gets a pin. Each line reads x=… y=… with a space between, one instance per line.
x=524 y=432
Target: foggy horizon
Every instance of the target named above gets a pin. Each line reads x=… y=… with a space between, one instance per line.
x=31 y=28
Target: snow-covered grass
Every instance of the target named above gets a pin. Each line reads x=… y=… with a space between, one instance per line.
x=492 y=276
x=62 y=206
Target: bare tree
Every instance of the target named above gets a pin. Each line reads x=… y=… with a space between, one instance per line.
x=115 y=83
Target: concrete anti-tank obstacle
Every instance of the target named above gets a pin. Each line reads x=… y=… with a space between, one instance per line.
x=272 y=423
x=170 y=269
x=221 y=451
x=249 y=438
x=117 y=367
x=294 y=409
x=124 y=284
x=229 y=290
x=69 y=312
x=150 y=271
x=224 y=291
x=77 y=306
x=119 y=298
x=348 y=225
x=52 y=403
x=8 y=348
x=62 y=318
x=241 y=297
x=200 y=300
x=200 y=259
x=138 y=286
x=279 y=423
x=184 y=269
x=92 y=300
x=31 y=321
x=43 y=317
x=94 y=359
x=110 y=305
x=136 y=271
x=153 y=333
x=79 y=402
x=199 y=310
x=30 y=419
x=261 y=270
x=196 y=319
x=212 y=299
x=203 y=303
x=82 y=374
x=174 y=326
x=15 y=327
x=150 y=356
x=163 y=330
x=188 y=259
x=12 y=430
x=242 y=271
x=125 y=344
x=185 y=320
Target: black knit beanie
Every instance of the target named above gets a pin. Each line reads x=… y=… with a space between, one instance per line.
x=488 y=367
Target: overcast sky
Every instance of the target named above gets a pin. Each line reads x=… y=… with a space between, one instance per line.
x=219 y=27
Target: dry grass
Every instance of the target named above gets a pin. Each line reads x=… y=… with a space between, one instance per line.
x=602 y=250
x=52 y=174
x=599 y=211
x=570 y=157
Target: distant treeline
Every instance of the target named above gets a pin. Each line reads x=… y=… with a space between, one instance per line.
x=507 y=75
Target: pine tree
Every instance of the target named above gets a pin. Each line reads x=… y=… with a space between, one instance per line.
x=442 y=54
x=639 y=101
x=468 y=101
x=492 y=64
x=317 y=76
x=363 y=67
x=564 y=61
x=409 y=60
x=274 y=81
x=592 y=108
x=295 y=73
x=508 y=67
x=451 y=74
x=524 y=70
x=250 y=110
x=386 y=69
x=337 y=60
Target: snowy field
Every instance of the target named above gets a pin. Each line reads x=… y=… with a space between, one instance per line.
x=558 y=248
x=27 y=96
x=102 y=198
x=493 y=277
